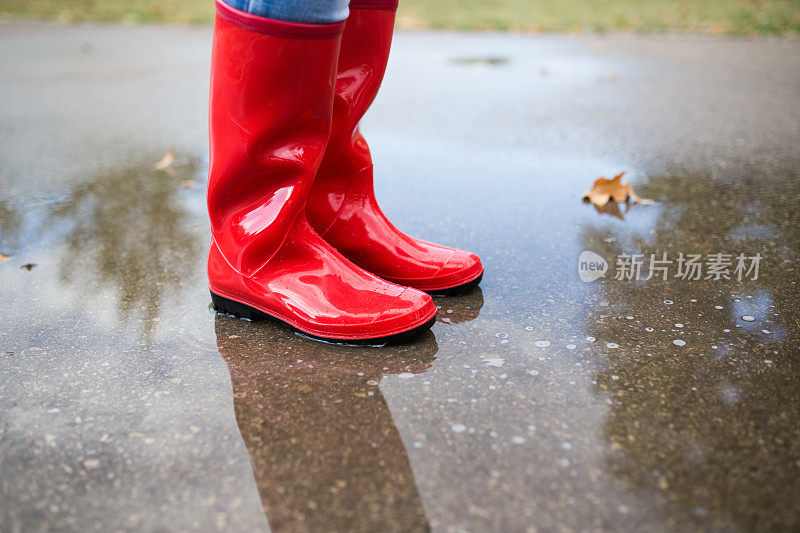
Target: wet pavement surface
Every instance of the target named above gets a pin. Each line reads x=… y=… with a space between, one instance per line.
x=538 y=402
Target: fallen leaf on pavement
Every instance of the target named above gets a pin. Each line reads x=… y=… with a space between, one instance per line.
x=166 y=161
x=28 y=266
x=605 y=190
x=4 y=257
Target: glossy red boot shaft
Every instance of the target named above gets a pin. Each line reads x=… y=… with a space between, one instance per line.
x=269 y=116
x=342 y=206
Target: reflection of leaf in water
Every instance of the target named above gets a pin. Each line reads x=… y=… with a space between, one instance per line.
x=711 y=430
x=459 y=308
x=128 y=232
x=611 y=209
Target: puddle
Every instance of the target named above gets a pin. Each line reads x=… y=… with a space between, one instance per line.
x=492 y=61
x=611 y=381
x=666 y=392
x=126 y=234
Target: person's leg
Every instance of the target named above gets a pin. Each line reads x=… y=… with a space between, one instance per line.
x=304 y=11
x=342 y=205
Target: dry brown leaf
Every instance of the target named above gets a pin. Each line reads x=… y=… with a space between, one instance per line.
x=605 y=190
x=166 y=161
x=4 y=257
x=28 y=266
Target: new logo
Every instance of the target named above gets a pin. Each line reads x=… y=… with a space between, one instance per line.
x=591 y=266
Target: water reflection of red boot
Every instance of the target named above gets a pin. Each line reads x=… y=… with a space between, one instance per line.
x=459 y=309
x=325 y=451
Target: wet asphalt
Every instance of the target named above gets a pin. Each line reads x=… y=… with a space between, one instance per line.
x=538 y=402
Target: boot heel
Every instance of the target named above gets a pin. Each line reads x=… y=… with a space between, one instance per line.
x=239 y=310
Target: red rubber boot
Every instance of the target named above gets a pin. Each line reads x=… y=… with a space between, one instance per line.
x=342 y=205
x=270 y=114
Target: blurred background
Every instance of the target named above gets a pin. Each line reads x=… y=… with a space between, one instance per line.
x=750 y=18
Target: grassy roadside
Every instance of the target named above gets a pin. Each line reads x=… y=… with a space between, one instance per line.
x=717 y=17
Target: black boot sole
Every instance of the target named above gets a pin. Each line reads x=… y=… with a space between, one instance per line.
x=239 y=310
x=460 y=289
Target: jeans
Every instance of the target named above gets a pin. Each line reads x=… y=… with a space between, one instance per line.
x=309 y=11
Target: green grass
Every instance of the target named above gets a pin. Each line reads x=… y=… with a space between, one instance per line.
x=119 y=11
x=729 y=17
x=717 y=17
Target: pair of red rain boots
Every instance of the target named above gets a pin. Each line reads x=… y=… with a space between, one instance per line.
x=296 y=231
